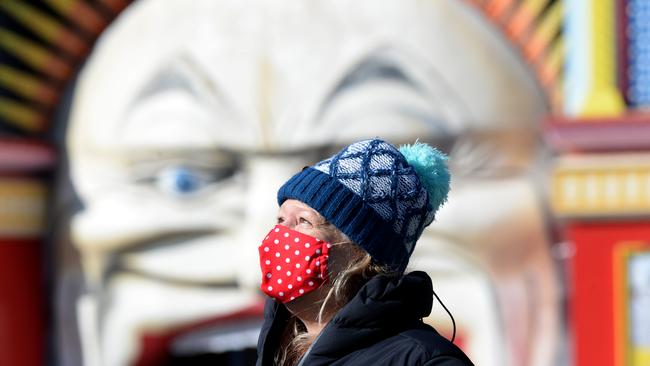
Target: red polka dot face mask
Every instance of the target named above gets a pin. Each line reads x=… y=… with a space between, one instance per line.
x=293 y=263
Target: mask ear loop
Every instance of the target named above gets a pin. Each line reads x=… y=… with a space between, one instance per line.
x=453 y=322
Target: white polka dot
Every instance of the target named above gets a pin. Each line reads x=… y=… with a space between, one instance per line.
x=306 y=245
x=319 y=241
x=293 y=297
x=307 y=258
x=267 y=262
x=289 y=286
x=288 y=273
x=278 y=268
x=296 y=240
x=270 y=288
x=276 y=241
x=266 y=249
x=297 y=265
x=297 y=252
x=281 y=294
x=268 y=275
x=286 y=235
x=287 y=260
x=329 y=246
x=277 y=254
x=279 y=281
x=286 y=247
x=317 y=263
x=311 y=283
x=317 y=251
x=299 y=278
x=308 y=271
x=276 y=229
x=320 y=275
x=302 y=291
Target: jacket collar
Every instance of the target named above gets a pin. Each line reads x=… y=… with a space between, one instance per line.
x=383 y=307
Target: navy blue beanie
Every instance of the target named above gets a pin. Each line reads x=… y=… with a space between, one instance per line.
x=382 y=198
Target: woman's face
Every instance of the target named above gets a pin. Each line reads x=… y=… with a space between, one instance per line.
x=302 y=218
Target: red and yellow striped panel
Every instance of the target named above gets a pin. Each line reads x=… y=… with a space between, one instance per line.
x=46 y=27
x=545 y=30
x=28 y=86
x=521 y=22
x=115 y=6
x=499 y=10
x=34 y=55
x=549 y=69
x=22 y=116
x=80 y=13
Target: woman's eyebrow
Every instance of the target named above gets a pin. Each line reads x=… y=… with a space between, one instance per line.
x=310 y=214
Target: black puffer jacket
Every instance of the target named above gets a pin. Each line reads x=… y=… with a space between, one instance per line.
x=381 y=325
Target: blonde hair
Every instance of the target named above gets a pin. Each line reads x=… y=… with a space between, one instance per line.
x=344 y=286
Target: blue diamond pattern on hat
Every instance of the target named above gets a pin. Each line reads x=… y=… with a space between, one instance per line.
x=377 y=171
x=376 y=195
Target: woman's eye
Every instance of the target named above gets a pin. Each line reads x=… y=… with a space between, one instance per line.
x=304 y=221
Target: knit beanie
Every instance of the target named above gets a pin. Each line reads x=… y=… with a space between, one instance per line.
x=381 y=197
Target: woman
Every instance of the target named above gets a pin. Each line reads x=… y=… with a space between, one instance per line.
x=334 y=263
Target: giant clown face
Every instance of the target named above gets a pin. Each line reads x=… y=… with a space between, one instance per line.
x=188 y=116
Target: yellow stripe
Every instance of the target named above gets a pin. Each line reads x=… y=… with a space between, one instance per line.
x=555 y=58
x=550 y=24
x=552 y=19
x=34 y=55
x=20 y=115
x=557 y=95
x=24 y=49
x=22 y=83
x=533 y=7
x=604 y=98
x=519 y=24
x=640 y=355
x=42 y=24
x=64 y=7
x=551 y=66
x=81 y=13
x=22 y=207
x=21 y=187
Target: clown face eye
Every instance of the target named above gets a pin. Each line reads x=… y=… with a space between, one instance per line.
x=180 y=181
x=183 y=179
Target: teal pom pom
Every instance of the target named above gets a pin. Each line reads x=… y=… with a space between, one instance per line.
x=431 y=167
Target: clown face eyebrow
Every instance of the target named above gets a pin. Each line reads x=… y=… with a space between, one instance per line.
x=376 y=67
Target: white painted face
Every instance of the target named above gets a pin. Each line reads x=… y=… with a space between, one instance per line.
x=189 y=115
